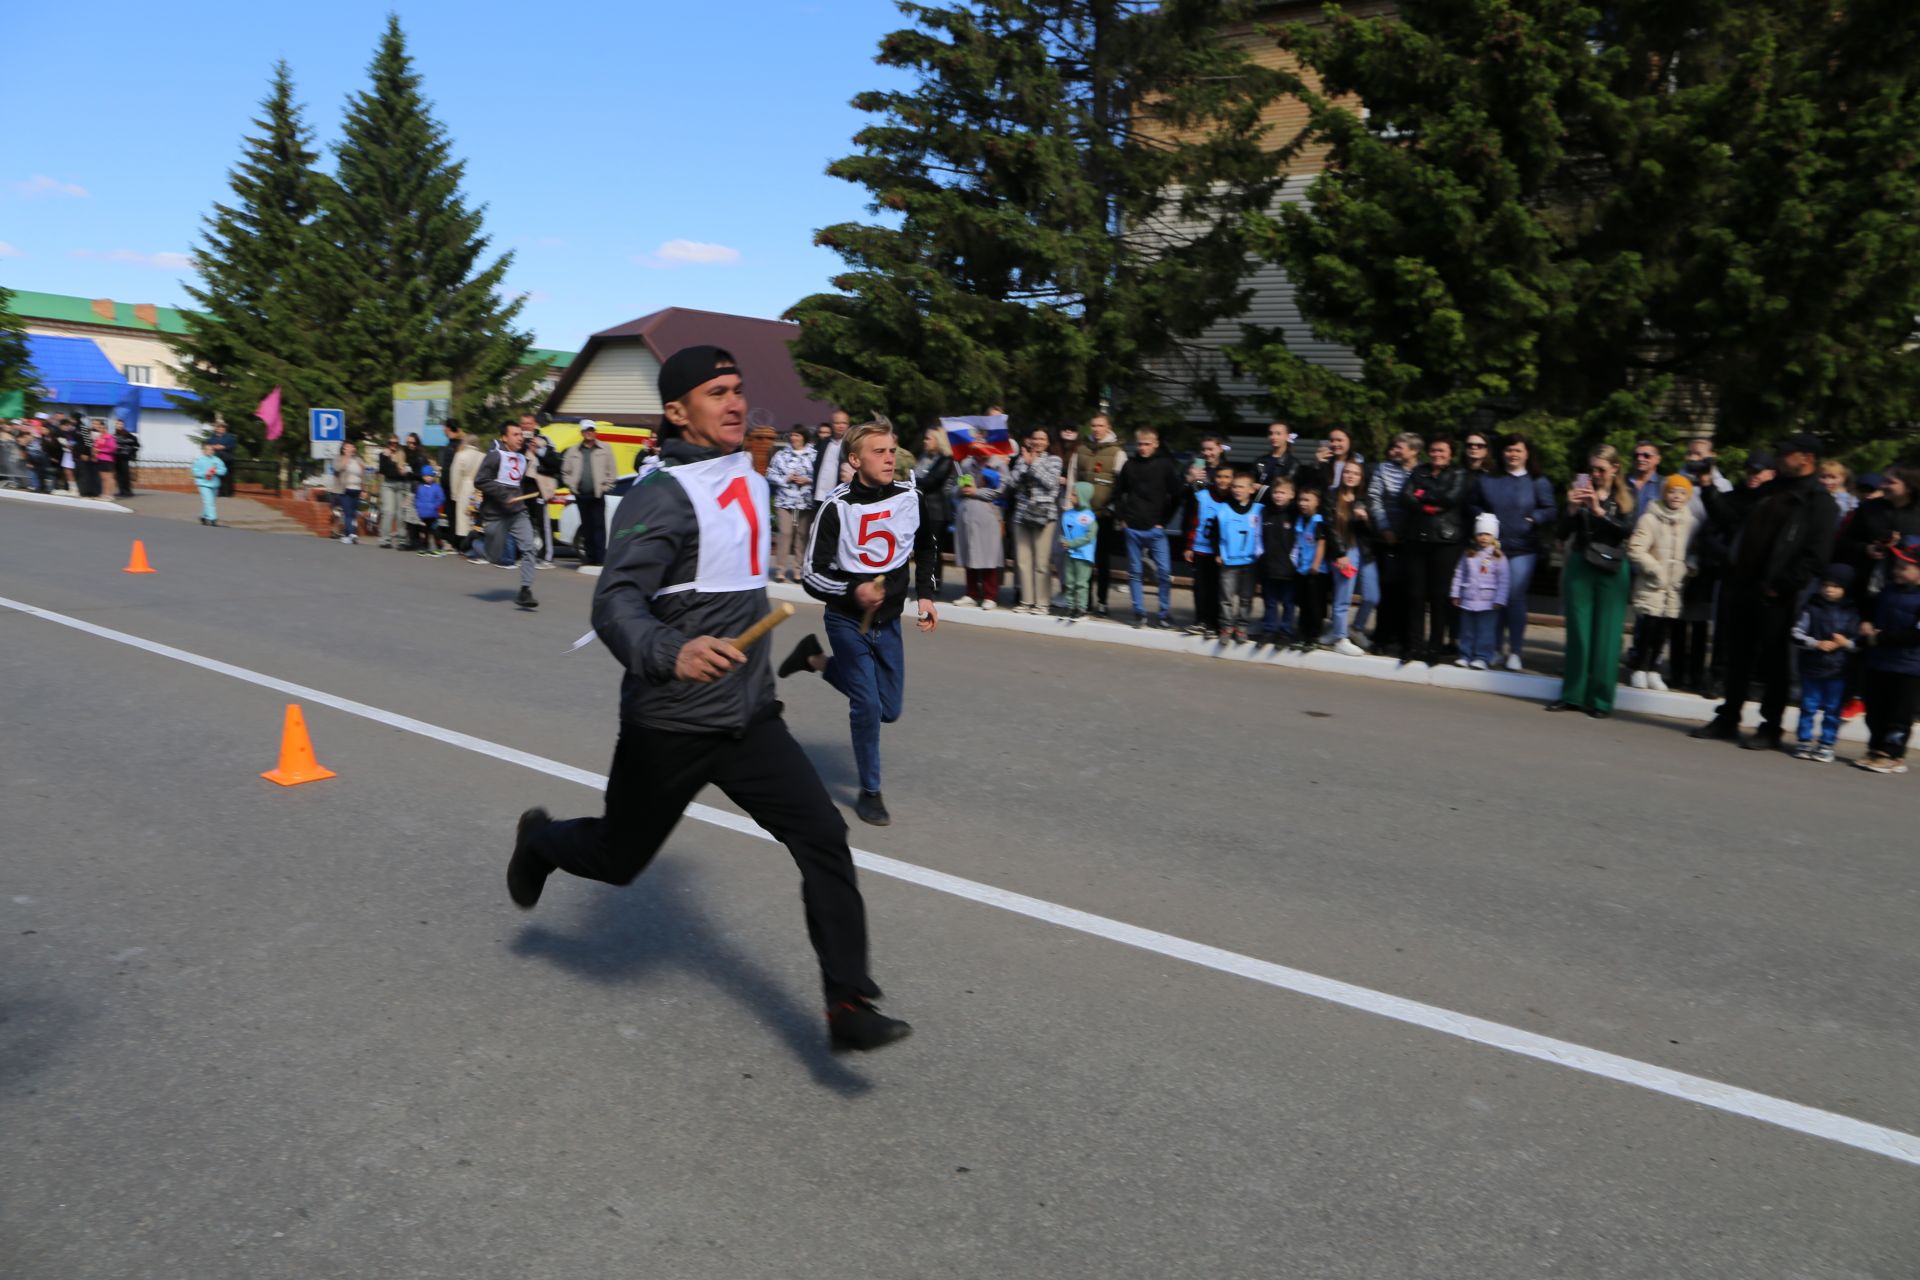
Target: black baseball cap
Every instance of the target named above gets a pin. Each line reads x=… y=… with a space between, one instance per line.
x=692 y=367
x=1761 y=460
x=1801 y=442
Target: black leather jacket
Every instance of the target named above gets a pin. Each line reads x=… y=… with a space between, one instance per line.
x=1436 y=504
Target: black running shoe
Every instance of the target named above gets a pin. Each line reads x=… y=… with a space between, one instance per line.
x=871 y=809
x=525 y=599
x=1718 y=729
x=855 y=1024
x=801 y=658
x=1764 y=739
x=527 y=871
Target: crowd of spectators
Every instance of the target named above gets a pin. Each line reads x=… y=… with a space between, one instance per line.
x=68 y=454
x=1673 y=575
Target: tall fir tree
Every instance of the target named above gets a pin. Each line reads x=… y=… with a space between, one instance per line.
x=258 y=316
x=17 y=377
x=1070 y=179
x=1608 y=219
x=414 y=301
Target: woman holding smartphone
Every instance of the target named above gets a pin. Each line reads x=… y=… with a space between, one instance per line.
x=1594 y=583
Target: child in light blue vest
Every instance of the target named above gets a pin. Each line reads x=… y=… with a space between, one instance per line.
x=1235 y=535
x=1078 y=530
x=207 y=470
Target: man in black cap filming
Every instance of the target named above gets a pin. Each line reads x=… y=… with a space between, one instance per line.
x=1785 y=536
x=687 y=568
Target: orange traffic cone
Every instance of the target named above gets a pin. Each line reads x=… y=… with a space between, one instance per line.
x=137 y=563
x=297 y=764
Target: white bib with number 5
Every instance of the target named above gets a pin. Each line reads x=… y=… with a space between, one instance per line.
x=878 y=537
x=730 y=502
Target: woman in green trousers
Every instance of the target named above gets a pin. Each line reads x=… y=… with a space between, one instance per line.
x=1595 y=584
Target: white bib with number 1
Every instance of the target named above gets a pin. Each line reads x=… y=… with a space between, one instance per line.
x=730 y=502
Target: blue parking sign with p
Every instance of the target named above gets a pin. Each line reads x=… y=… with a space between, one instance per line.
x=326 y=429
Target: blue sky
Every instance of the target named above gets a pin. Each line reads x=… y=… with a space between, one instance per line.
x=606 y=139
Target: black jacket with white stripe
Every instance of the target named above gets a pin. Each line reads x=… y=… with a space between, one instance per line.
x=832 y=585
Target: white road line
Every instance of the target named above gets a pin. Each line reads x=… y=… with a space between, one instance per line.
x=1892 y=1143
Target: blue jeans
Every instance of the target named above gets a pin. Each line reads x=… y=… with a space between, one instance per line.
x=1343 y=587
x=1279 y=616
x=1476 y=634
x=1821 y=696
x=872 y=671
x=349 y=502
x=1140 y=543
x=1510 y=620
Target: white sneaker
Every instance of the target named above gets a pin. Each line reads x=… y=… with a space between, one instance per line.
x=1478 y=664
x=1638 y=680
x=1513 y=662
x=1656 y=682
x=1348 y=649
x=989 y=604
x=966 y=602
x=1461 y=662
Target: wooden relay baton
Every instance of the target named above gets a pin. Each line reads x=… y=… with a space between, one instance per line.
x=781 y=612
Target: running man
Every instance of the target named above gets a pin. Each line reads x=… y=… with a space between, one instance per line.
x=863 y=536
x=505 y=487
x=688 y=568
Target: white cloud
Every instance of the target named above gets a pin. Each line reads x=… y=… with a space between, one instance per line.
x=41 y=185
x=690 y=253
x=160 y=261
x=7 y=250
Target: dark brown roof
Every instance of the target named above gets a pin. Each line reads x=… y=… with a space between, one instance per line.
x=761 y=347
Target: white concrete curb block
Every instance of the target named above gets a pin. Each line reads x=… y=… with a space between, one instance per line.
x=1510 y=684
x=56 y=500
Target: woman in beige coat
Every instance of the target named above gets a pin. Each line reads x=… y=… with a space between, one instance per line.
x=1658 y=552
x=461 y=470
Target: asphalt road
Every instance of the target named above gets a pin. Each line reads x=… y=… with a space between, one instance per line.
x=250 y=1031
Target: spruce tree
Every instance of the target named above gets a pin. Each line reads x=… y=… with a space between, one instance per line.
x=1575 y=213
x=1069 y=179
x=259 y=319
x=415 y=302
x=17 y=377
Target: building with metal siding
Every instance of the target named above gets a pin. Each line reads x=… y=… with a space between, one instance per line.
x=1273 y=304
x=615 y=378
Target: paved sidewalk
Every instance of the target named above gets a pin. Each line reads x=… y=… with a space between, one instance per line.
x=1533 y=687
x=240 y=512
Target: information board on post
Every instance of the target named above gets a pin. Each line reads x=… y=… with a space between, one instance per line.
x=422 y=408
x=326 y=432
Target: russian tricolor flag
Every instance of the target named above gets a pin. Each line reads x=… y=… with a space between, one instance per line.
x=960 y=435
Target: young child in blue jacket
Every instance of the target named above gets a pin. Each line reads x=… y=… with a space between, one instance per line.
x=207 y=470
x=1078 y=531
x=1312 y=583
x=1235 y=535
x=1824 y=634
x=428 y=502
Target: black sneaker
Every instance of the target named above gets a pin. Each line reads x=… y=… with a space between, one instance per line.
x=527 y=871
x=803 y=653
x=855 y=1024
x=1763 y=739
x=871 y=809
x=525 y=599
x=1718 y=729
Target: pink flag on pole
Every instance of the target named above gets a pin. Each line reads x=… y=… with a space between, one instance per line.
x=269 y=413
